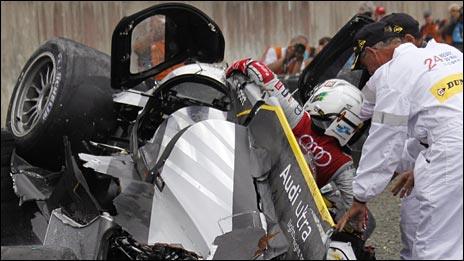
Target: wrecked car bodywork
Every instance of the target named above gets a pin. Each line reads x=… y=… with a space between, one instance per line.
x=196 y=168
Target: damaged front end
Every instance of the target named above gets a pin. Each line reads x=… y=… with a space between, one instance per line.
x=219 y=190
x=198 y=175
x=74 y=224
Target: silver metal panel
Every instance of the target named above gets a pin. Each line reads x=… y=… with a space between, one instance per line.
x=134 y=203
x=340 y=251
x=84 y=241
x=98 y=163
x=31 y=186
x=134 y=206
x=185 y=117
x=171 y=224
x=199 y=177
x=204 y=69
x=131 y=97
x=121 y=166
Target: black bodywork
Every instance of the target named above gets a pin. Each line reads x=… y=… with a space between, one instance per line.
x=330 y=62
x=190 y=34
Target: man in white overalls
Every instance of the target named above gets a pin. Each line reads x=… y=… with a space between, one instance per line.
x=418 y=95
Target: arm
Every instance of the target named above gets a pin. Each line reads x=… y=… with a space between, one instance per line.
x=381 y=153
x=411 y=150
x=404 y=183
x=271 y=60
x=289 y=63
x=270 y=84
x=277 y=66
x=380 y=156
x=383 y=148
x=367 y=107
x=344 y=183
x=404 y=178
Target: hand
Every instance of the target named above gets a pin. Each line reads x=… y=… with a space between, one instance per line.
x=258 y=72
x=357 y=212
x=270 y=84
x=295 y=52
x=404 y=183
x=293 y=66
x=290 y=53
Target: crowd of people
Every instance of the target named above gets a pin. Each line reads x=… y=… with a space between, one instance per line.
x=292 y=59
x=295 y=57
x=448 y=30
x=414 y=102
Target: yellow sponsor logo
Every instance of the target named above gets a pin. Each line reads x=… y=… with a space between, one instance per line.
x=361 y=43
x=397 y=29
x=394 y=29
x=447 y=87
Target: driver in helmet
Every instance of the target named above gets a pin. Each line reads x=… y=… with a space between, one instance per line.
x=326 y=124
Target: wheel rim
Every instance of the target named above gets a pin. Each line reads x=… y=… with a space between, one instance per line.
x=33 y=94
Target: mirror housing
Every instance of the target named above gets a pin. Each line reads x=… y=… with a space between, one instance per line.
x=190 y=32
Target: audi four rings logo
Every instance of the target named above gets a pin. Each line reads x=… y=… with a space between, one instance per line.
x=321 y=157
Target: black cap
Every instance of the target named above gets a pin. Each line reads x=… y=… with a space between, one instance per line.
x=368 y=36
x=409 y=24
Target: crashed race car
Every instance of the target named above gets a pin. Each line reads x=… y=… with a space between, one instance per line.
x=123 y=164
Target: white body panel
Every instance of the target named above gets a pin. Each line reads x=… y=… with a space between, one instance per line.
x=198 y=192
x=208 y=70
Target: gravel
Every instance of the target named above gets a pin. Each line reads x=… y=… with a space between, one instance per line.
x=386 y=237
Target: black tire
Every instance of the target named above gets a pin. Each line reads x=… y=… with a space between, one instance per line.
x=7 y=192
x=77 y=101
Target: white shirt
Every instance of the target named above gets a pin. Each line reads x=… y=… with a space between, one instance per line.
x=271 y=55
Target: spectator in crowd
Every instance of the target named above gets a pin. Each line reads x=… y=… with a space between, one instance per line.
x=149 y=32
x=149 y=46
x=452 y=31
x=313 y=51
x=430 y=29
x=379 y=13
x=322 y=43
x=287 y=60
x=366 y=8
x=441 y=24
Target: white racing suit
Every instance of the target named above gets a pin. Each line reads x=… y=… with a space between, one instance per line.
x=331 y=163
x=418 y=94
x=409 y=211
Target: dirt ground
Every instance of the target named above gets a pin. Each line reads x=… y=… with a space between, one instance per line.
x=386 y=237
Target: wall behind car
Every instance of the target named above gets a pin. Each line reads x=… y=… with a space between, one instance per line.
x=248 y=27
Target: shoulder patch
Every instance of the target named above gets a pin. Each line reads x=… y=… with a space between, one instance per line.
x=447 y=87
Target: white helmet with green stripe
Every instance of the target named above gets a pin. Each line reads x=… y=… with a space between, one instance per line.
x=334 y=107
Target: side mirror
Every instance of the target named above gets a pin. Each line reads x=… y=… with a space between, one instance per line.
x=153 y=40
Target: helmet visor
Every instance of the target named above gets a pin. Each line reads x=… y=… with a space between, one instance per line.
x=344 y=127
x=323 y=122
